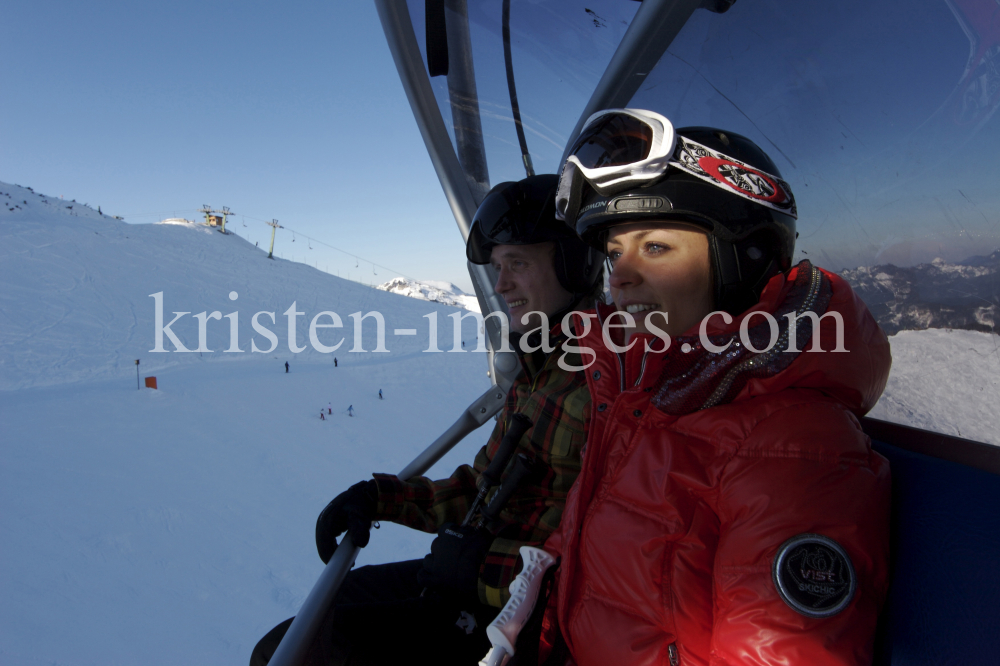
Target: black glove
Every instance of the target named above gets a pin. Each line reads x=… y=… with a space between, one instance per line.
x=352 y=511
x=453 y=564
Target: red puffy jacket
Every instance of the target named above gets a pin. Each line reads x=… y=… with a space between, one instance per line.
x=730 y=510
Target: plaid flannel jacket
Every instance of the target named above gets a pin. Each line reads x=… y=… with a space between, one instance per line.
x=558 y=403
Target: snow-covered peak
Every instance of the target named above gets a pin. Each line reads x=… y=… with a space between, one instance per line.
x=934 y=295
x=432 y=290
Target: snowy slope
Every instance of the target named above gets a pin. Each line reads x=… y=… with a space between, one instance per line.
x=945 y=380
x=176 y=526
x=432 y=290
x=76 y=301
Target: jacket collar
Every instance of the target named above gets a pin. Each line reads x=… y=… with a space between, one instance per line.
x=682 y=382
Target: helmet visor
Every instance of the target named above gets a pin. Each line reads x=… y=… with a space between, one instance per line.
x=614 y=139
x=506 y=222
x=518 y=214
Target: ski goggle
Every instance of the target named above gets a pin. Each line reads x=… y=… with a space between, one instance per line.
x=620 y=149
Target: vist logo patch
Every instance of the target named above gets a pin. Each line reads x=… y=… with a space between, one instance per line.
x=814 y=575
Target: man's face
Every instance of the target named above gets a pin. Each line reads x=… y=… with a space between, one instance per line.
x=526 y=279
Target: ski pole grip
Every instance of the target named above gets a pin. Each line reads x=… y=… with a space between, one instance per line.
x=522 y=468
x=519 y=424
x=503 y=631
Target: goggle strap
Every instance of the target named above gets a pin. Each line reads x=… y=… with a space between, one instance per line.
x=733 y=176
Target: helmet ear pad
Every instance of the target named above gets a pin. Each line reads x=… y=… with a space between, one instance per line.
x=577 y=266
x=741 y=269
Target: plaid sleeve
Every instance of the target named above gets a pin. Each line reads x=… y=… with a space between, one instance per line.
x=424 y=504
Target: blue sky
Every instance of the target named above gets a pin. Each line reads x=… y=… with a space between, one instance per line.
x=292 y=112
x=297 y=113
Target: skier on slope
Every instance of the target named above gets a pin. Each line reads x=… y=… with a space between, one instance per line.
x=380 y=394
x=329 y=408
x=286 y=367
x=542 y=267
x=350 y=410
x=730 y=510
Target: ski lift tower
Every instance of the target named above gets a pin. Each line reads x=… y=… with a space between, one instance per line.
x=274 y=227
x=216 y=218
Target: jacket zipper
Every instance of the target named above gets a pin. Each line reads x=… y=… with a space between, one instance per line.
x=621 y=362
x=621 y=373
x=675 y=659
x=642 y=369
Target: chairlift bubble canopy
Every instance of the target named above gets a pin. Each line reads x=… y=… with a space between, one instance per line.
x=881 y=116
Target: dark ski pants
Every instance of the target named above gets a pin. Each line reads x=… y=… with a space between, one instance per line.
x=380 y=618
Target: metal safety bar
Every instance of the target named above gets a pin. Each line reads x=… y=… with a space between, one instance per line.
x=398 y=28
x=300 y=635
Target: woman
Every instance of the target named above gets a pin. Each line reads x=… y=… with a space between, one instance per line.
x=730 y=510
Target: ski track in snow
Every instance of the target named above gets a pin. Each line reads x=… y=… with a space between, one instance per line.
x=176 y=525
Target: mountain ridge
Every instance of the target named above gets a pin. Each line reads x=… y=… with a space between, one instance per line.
x=964 y=295
x=435 y=291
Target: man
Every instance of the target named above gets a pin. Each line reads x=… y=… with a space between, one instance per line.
x=443 y=603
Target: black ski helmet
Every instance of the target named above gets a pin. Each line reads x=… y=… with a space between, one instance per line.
x=749 y=242
x=524 y=213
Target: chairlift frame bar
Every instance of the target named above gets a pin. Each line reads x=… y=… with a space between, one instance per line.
x=295 y=644
x=398 y=28
x=649 y=35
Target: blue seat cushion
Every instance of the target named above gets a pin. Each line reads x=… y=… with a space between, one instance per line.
x=944 y=599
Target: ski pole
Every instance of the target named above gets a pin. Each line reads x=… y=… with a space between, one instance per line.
x=519 y=424
x=503 y=631
x=523 y=467
x=509 y=485
x=295 y=644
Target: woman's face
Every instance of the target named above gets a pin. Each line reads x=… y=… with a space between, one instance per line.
x=663 y=267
